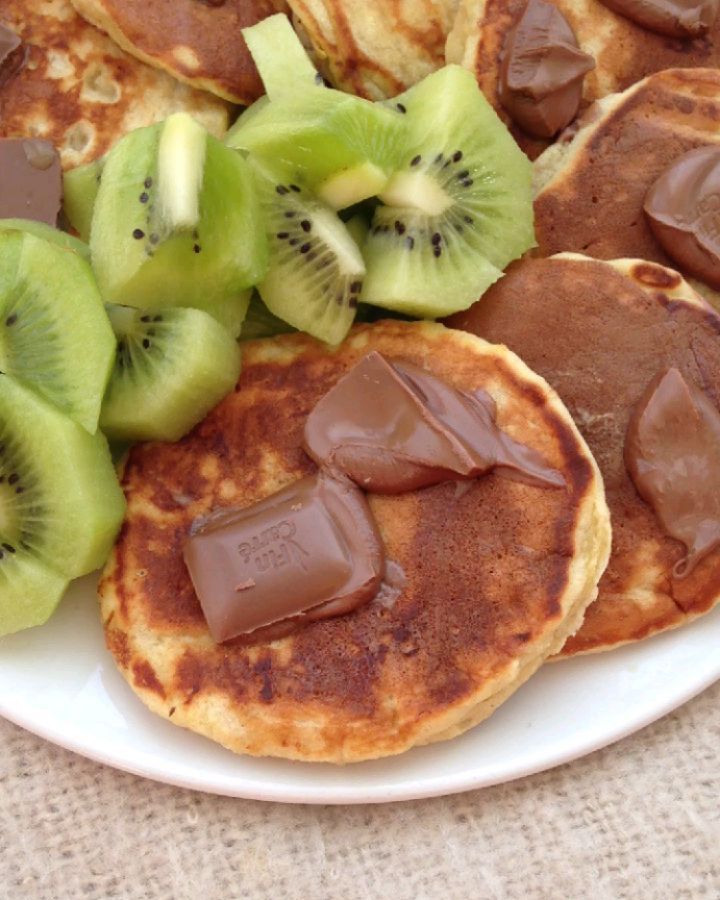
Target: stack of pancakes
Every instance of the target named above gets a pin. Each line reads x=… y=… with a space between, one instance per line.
x=498 y=575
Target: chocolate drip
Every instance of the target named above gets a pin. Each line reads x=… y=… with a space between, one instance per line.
x=672 y=452
x=393 y=427
x=674 y=18
x=542 y=71
x=683 y=211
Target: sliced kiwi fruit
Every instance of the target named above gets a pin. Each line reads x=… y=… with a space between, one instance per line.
x=281 y=59
x=261 y=323
x=47 y=233
x=457 y=211
x=80 y=188
x=343 y=147
x=316 y=269
x=176 y=222
x=172 y=367
x=60 y=504
x=55 y=336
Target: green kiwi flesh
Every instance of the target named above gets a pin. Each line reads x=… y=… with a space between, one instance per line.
x=172 y=367
x=316 y=269
x=147 y=251
x=457 y=211
x=261 y=323
x=60 y=504
x=47 y=233
x=344 y=147
x=281 y=59
x=80 y=188
x=55 y=336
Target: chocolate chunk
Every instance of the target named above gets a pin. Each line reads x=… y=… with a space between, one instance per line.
x=542 y=71
x=674 y=18
x=683 y=211
x=10 y=59
x=672 y=452
x=393 y=427
x=30 y=180
x=309 y=551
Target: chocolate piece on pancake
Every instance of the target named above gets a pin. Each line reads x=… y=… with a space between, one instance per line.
x=199 y=42
x=494 y=573
x=600 y=332
x=624 y=52
x=375 y=48
x=71 y=85
x=592 y=189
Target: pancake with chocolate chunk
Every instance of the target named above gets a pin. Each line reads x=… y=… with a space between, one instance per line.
x=490 y=575
x=71 y=85
x=591 y=188
x=600 y=332
x=198 y=42
x=375 y=48
x=624 y=51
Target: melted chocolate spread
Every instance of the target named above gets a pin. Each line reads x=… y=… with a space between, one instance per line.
x=674 y=18
x=312 y=550
x=683 y=211
x=672 y=452
x=393 y=427
x=542 y=71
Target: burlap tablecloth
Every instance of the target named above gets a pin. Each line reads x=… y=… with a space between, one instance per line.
x=640 y=819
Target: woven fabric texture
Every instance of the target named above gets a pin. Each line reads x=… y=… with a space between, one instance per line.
x=639 y=820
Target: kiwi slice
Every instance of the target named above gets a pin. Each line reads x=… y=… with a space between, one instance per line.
x=172 y=367
x=47 y=233
x=177 y=222
x=316 y=269
x=457 y=211
x=261 y=323
x=60 y=504
x=344 y=147
x=281 y=59
x=80 y=188
x=55 y=337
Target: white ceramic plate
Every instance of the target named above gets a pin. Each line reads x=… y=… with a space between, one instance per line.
x=59 y=682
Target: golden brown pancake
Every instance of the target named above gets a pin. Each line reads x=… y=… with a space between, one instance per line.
x=497 y=572
x=590 y=190
x=599 y=332
x=80 y=91
x=623 y=51
x=375 y=48
x=196 y=41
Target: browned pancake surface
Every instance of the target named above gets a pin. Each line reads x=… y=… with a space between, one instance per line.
x=80 y=91
x=599 y=338
x=594 y=202
x=492 y=567
x=624 y=52
x=195 y=40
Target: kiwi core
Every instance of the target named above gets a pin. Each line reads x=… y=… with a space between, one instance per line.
x=416 y=190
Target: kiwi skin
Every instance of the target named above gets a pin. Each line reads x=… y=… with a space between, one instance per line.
x=172 y=367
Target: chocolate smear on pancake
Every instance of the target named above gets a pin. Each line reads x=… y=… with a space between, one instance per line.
x=542 y=71
x=599 y=333
x=674 y=18
x=672 y=452
x=11 y=52
x=683 y=209
x=393 y=427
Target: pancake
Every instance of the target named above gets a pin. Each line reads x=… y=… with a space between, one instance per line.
x=80 y=91
x=497 y=572
x=599 y=332
x=590 y=189
x=375 y=48
x=198 y=42
x=624 y=52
